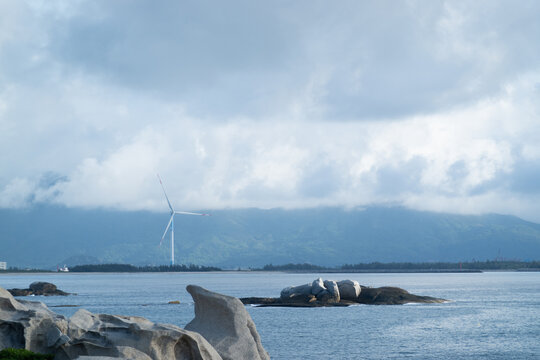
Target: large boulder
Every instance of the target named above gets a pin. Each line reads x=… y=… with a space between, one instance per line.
x=333 y=290
x=222 y=319
x=131 y=337
x=30 y=325
x=226 y=324
x=349 y=289
x=301 y=293
x=317 y=286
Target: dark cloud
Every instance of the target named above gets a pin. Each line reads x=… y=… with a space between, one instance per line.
x=377 y=59
x=107 y=92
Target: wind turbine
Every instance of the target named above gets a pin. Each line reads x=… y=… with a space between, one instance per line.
x=171 y=221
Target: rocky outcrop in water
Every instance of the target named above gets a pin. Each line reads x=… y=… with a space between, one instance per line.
x=230 y=330
x=39 y=288
x=340 y=293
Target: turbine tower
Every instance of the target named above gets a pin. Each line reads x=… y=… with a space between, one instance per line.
x=171 y=221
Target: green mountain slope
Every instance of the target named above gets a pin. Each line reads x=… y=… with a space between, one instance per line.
x=48 y=236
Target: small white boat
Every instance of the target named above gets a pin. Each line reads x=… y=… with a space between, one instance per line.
x=63 y=269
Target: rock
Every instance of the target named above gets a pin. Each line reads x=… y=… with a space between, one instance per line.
x=349 y=289
x=42 y=287
x=296 y=291
x=20 y=292
x=131 y=337
x=324 y=296
x=387 y=295
x=38 y=288
x=333 y=289
x=341 y=293
x=225 y=323
x=317 y=286
x=30 y=325
x=260 y=300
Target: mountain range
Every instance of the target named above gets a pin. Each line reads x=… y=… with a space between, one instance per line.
x=48 y=236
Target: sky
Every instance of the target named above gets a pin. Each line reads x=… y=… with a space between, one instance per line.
x=431 y=105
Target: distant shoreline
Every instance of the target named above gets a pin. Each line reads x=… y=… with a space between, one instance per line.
x=375 y=267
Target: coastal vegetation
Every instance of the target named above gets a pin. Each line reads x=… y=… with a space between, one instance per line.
x=22 y=354
x=132 y=268
x=410 y=266
x=466 y=266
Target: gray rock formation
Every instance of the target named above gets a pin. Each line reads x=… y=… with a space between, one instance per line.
x=301 y=293
x=131 y=337
x=349 y=289
x=226 y=324
x=317 y=286
x=39 y=288
x=32 y=326
x=333 y=289
x=341 y=293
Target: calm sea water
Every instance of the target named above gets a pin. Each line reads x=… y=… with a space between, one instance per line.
x=493 y=315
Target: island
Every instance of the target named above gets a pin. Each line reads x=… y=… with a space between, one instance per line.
x=339 y=293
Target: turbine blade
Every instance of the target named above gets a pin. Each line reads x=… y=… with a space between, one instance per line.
x=190 y=213
x=166 y=197
x=166 y=229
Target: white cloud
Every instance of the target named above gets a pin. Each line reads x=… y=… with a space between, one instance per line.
x=432 y=107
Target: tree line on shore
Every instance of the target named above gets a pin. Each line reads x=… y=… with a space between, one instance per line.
x=306 y=267
x=132 y=268
x=408 y=266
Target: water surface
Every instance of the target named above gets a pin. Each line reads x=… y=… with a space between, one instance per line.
x=492 y=315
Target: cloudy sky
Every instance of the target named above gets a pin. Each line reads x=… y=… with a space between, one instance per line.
x=432 y=105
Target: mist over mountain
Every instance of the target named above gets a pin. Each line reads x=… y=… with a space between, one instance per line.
x=47 y=236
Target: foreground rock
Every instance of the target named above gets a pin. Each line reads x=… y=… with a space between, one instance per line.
x=225 y=323
x=30 y=325
x=223 y=319
x=39 y=288
x=341 y=293
x=131 y=337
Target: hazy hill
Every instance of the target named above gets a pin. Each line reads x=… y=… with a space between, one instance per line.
x=47 y=236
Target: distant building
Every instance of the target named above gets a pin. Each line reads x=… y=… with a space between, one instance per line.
x=3 y=265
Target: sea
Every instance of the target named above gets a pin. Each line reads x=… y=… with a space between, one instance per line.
x=489 y=315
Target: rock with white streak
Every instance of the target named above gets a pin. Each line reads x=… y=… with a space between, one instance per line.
x=301 y=293
x=333 y=289
x=317 y=286
x=349 y=289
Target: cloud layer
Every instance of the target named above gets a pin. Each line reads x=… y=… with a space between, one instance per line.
x=427 y=104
